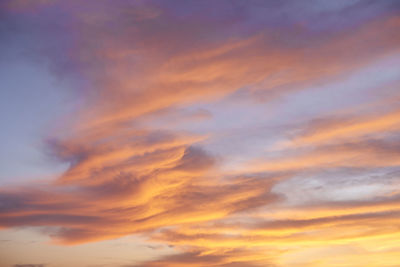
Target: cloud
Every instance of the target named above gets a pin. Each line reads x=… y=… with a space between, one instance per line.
x=144 y=69
x=362 y=154
x=131 y=193
x=230 y=258
x=311 y=223
x=328 y=130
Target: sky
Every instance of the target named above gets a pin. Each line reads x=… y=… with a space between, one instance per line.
x=224 y=133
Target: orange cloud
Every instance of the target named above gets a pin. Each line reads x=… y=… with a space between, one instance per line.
x=126 y=178
x=327 y=131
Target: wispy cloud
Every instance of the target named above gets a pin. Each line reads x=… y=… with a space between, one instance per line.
x=148 y=71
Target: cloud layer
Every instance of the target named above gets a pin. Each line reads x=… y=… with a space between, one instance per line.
x=160 y=85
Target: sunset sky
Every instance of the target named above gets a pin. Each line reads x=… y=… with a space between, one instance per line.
x=196 y=133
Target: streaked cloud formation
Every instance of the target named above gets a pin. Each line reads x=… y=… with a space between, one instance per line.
x=237 y=133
